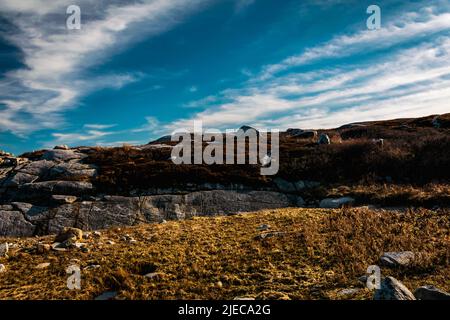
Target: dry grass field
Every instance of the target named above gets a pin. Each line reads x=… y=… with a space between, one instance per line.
x=306 y=254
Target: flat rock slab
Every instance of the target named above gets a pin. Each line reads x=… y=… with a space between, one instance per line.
x=18 y=179
x=45 y=189
x=62 y=155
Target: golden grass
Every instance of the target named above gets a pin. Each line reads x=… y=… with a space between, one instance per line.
x=316 y=254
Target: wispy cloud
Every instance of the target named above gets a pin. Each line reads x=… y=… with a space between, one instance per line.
x=410 y=26
x=57 y=61
x=400 y=83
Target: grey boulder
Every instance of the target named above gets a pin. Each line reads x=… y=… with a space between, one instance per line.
x=397 y=259
x=431 y=293
x=392 y=289
x=330 y=203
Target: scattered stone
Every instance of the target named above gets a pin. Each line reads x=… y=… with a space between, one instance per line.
x=266 y=235
x=108 y=295
x=110 y=242
x=330 y=203
x=61 y=147
x=244 y=298
x=62 y=199
x=324 y=139
x=69 y=233
x=97 y=234
x=397 y=259
x=348 y=292
x=58 y=246
x=2 y=268
x=92 y=266
x=392 y=289
x=42 y=265
x=429 y=292
x=153 y=275
x=79 y=245
x=43 y=248
x=128 y=238
x=219 y=284
x=284 y=186
x=263 y=227
x=4 y=248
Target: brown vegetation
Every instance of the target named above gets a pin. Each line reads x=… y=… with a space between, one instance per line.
x=312 y=255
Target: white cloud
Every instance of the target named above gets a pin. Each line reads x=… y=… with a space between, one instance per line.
x=57 y=60
x=410 y=26
x=96 y=126
x=406 y=83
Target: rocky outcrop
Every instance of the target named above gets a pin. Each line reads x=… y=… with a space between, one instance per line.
x=53 y=190
x=24 y=219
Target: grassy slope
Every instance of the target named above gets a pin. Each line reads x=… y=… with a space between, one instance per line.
x=320 y=253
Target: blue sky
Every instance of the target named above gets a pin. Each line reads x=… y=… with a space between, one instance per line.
x=140 y=69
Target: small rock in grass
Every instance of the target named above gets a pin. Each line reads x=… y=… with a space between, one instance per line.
x=42 y=265
x=397 y=259
x=2 y=268
x=153 y=275
x=43 y=247
x=263 y=227
x=58 y=246
x=330 y=203
x=92 y=266
x=108 y=295
x=348 y=292
x=266 y=235
x=69 y=233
